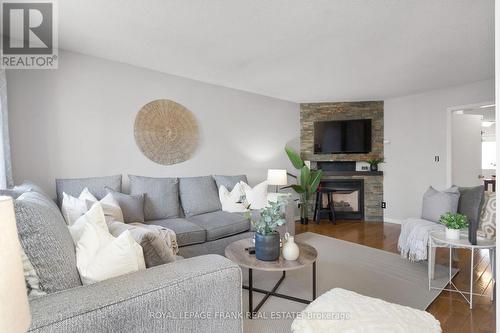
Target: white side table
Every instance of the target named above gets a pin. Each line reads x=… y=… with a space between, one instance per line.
x=438 y=239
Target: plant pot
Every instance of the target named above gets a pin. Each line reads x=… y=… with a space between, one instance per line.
x=373 y=167
x=304 y=211
x=453 y=234
x=267 y=247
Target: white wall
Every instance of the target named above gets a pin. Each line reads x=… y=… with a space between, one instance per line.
x=416 y=127
x=78 y=121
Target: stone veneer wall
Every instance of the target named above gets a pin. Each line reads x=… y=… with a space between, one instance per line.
x=311 y=112
x=373 y=184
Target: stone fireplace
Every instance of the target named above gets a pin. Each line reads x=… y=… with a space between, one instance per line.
x=358 y=193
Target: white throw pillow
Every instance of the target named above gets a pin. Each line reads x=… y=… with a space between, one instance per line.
x=72 y=208
x=86 y=195
x=99 y=255
x=256 y=197
x=95 y=215
x=110 y=206
x=230 y=200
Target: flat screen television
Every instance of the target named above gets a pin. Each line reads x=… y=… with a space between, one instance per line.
x=343 y=136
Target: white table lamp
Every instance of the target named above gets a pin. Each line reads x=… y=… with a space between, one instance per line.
x=14 y=308
x=277 y=177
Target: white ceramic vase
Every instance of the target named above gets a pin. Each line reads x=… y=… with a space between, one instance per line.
x=453 y=234
x=290 y=249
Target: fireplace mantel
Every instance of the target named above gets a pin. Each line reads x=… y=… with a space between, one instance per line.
x=332 y=174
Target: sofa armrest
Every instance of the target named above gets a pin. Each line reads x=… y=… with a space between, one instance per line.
x=200 y=294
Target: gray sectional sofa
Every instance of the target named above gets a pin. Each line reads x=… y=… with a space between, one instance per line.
x=189 y=206
x=153 y=300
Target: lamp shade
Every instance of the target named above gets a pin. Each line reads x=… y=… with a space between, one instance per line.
x=276 y=177
x=14 y=309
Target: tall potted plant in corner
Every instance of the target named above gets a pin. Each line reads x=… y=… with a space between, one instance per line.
x=267 y=238
x=308 y=182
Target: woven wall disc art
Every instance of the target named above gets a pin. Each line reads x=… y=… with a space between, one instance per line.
x=166 y=132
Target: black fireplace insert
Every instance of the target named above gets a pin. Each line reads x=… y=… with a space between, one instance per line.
x=348 y=198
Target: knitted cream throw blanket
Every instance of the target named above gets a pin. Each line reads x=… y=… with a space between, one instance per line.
x=414 y=238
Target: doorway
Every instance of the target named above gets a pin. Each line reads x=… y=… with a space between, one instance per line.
x=473 y=145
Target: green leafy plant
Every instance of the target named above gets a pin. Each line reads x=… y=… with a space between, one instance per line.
x=454 y=221
x=271 y=217
x=308 y=180
x=375 y=160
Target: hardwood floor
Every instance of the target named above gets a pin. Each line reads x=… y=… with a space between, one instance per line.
x=449 y=308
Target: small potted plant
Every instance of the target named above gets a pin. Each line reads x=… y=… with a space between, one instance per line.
x=454 y=223
x=267 y=238
x=374 y=162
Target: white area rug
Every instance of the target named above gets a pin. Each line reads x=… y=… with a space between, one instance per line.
x=347 y=265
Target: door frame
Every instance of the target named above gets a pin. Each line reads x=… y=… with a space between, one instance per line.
x=449 y=128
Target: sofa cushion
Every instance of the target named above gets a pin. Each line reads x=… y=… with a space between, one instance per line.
x=229 y=181
x=198 y=195
x=221 y=224
x=95 y=185
x=161 y=199
x=187 y=233
x=436 y=203
x=47 y=242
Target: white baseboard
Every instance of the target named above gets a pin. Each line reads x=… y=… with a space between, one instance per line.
x=391 y=220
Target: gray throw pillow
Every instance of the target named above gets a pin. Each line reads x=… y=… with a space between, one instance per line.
x=199 y=195
x=229 y=182
x=47 y=242
x=436 y=203
x=161 y=196
x=469 y=204
x=74 y=186
x=132 y=206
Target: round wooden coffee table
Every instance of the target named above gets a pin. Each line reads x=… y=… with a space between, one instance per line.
x=238 y=253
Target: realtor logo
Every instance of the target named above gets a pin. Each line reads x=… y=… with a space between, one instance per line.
x=29 y=35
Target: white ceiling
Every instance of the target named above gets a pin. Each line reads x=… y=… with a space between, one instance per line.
x=297 y=50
